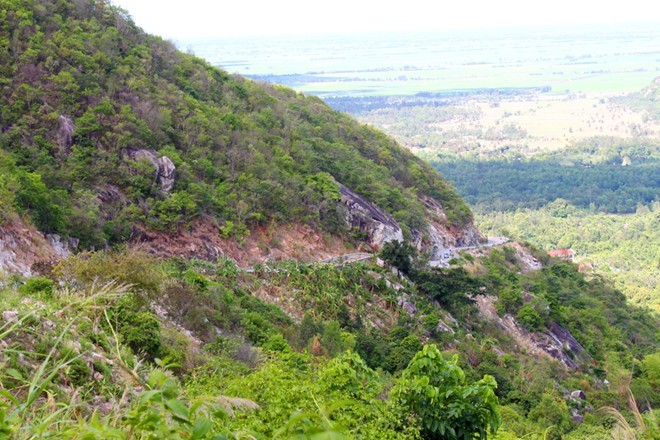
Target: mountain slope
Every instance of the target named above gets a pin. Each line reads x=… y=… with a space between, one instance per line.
x=107 y=131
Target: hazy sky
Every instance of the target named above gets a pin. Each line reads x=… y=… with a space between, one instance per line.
x=204 y=18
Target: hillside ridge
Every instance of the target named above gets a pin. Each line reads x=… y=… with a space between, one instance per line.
x=107 y=131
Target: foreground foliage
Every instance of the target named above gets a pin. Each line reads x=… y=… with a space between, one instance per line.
x=187 y=349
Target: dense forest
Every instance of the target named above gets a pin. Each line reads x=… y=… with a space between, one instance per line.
x=508 y=185
x=90 y=104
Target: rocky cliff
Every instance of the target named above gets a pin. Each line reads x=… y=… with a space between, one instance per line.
x=22 y=246
x=554 y=342
x=380 y=227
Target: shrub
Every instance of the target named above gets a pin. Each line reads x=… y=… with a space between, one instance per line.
x=38 y=285
x=553 y=413
x=277 y=342
x=510 y=300
x=529 y=318
x=256 y=328
x=139 y=329
x=127 y=266
x=435 y=392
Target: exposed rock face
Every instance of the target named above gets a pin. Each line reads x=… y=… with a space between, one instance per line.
x=365 y=216
x=561 y=342
x=556 y=342
x=165 y=168
x=381 y=228
x=406 y=305
x=442 y=327
x=21 y=246
x=438 y=236
x=65 y=132
x=60 y=249
x=202 y=240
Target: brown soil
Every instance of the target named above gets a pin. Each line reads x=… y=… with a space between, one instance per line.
x=21 y=246
x=280 y=242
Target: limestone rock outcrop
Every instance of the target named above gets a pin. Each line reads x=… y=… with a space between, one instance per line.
x=21 y=246
x=380 y=227
x=555 y=341
x=438 y=236
x=65 y=132
x=365 y=216
x=164 y=173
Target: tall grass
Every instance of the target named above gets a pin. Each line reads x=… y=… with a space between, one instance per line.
x=644 y=427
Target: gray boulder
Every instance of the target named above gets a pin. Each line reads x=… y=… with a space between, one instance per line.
x=442 y=327
x=164 y=167
x=367 y=217
x=576 y=416
x=166 y=170
x=579 y=394
x=65 y=132
x=407 y=306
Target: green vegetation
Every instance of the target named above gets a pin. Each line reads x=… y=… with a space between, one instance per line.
x=531 y=172
x=623 y=248
x=616 y=179
x=293 y=349
x=435 y=390
x=119 y=344
x=82 y=89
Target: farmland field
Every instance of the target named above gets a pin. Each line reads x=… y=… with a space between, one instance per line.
x=584 y=59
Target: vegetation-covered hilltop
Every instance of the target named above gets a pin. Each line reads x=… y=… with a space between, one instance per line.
x=104 y=128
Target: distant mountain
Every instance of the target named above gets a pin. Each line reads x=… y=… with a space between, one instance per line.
x=108 y=134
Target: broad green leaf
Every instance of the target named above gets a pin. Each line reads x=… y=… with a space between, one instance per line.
x=178 y=409
x=200 y=428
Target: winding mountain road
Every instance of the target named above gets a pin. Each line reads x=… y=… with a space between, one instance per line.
x=449 y=253
x=446 y=254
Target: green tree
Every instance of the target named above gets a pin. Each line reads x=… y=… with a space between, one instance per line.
x=530 y=318
x=435 y=392
x=551 y=412
x=399 y=255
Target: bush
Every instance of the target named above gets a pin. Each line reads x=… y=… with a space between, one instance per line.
x=529 y=318
x=510 y=300
x=139 y=329
x=399 y=255
x=553 y=413
x=435 y=392
x=277 y=342
x=38 y=285
x=256 y=327
x=127 y=266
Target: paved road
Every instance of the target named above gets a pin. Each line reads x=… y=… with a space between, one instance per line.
x=349 y=258
x=449 y=253
x=446 y=254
